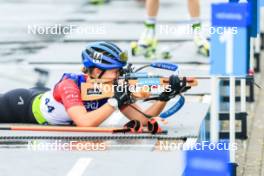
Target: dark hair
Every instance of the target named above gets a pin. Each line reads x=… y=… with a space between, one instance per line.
x=87 y=70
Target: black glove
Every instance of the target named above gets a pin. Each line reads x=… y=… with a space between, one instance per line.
x=122 y=94
x=177 y=86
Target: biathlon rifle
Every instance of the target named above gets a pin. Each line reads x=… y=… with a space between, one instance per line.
x=145 y=86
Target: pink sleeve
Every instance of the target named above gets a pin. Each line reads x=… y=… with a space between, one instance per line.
x=68 y=93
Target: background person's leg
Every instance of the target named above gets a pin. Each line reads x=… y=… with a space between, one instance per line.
x=148 y=36
x=152 y=7
x=194 y=8
x=147 y=43
x=200 y=41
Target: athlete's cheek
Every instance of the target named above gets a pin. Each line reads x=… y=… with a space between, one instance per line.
x=116 y=74
x=111 y=76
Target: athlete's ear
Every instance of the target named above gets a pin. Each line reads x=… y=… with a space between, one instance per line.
x=96 y=72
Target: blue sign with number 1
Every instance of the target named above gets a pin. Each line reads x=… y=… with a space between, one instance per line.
x=229 y=49
x=229 y=53
x=262 y=3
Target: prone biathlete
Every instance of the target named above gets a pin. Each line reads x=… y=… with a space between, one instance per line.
x=148 y=37
x=63 y=105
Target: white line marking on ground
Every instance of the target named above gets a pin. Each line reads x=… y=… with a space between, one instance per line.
x=190 y=142
x=206 y=99
x=79 y=167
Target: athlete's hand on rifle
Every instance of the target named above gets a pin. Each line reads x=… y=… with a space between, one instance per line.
x=177 y=86
x=122 y=94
